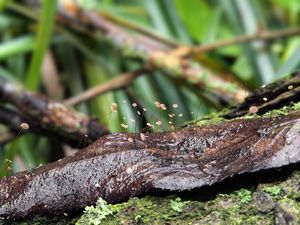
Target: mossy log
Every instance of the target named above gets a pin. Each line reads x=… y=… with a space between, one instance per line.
x=191 y=157
x=258 y=199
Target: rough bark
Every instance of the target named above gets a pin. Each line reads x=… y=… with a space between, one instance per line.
x=119 y=166
x=45 y=116
x=272 y=96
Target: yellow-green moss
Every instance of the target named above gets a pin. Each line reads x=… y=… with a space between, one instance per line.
x=238 y=207
x=273 y=190
x=216 y=118
x=283 y=111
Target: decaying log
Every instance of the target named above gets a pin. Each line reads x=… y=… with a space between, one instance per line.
x=120 y=165
x=272 y=96
x=45 y=116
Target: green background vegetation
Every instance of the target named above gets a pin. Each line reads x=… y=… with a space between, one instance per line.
x=86 y=60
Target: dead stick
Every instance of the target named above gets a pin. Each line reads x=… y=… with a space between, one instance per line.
x=261 y=35
x=122 y=165
x=121 y=81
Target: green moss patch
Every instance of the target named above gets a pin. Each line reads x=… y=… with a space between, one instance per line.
x=264 y=205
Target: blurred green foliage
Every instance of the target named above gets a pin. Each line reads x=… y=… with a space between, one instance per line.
x=83 y=61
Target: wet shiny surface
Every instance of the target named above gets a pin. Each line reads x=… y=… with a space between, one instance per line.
x=115 y=168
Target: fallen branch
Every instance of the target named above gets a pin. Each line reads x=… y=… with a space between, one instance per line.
x=45 y=116
x=121 y=81
x=119 y=166
x=261 y=35
x=193 y=50
x=13 y=121
x=160 y=57
x=158 y=54
x=272 y=96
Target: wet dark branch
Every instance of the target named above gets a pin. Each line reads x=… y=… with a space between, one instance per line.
x=121 y=81
x=12 y=119
x=119 y=166
x=272 y=96
x=45 y=116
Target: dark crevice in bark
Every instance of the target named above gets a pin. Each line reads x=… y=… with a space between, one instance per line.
x=119 y=166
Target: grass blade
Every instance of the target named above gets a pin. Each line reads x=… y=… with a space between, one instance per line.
x=17 y=46
x=43 y=38
x=291 y=64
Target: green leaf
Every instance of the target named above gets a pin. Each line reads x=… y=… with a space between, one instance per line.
x=95 y=215
x=244 y=195
x=293 y=7
x=101 y=105
x=43 y=38
x=290 y=65
x=88 y=5
x=177 y=205
x=273 y=190
x=195 y=14
x=17 y=46
x=6 y=74
x=3 y=4
x=157 y=17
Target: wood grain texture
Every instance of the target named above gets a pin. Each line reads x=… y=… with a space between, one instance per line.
x=120 y=165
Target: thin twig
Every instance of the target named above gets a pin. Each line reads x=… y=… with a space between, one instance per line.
x=156 y=53
x=118 y=82
x=160 y=57
x=261 y=35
